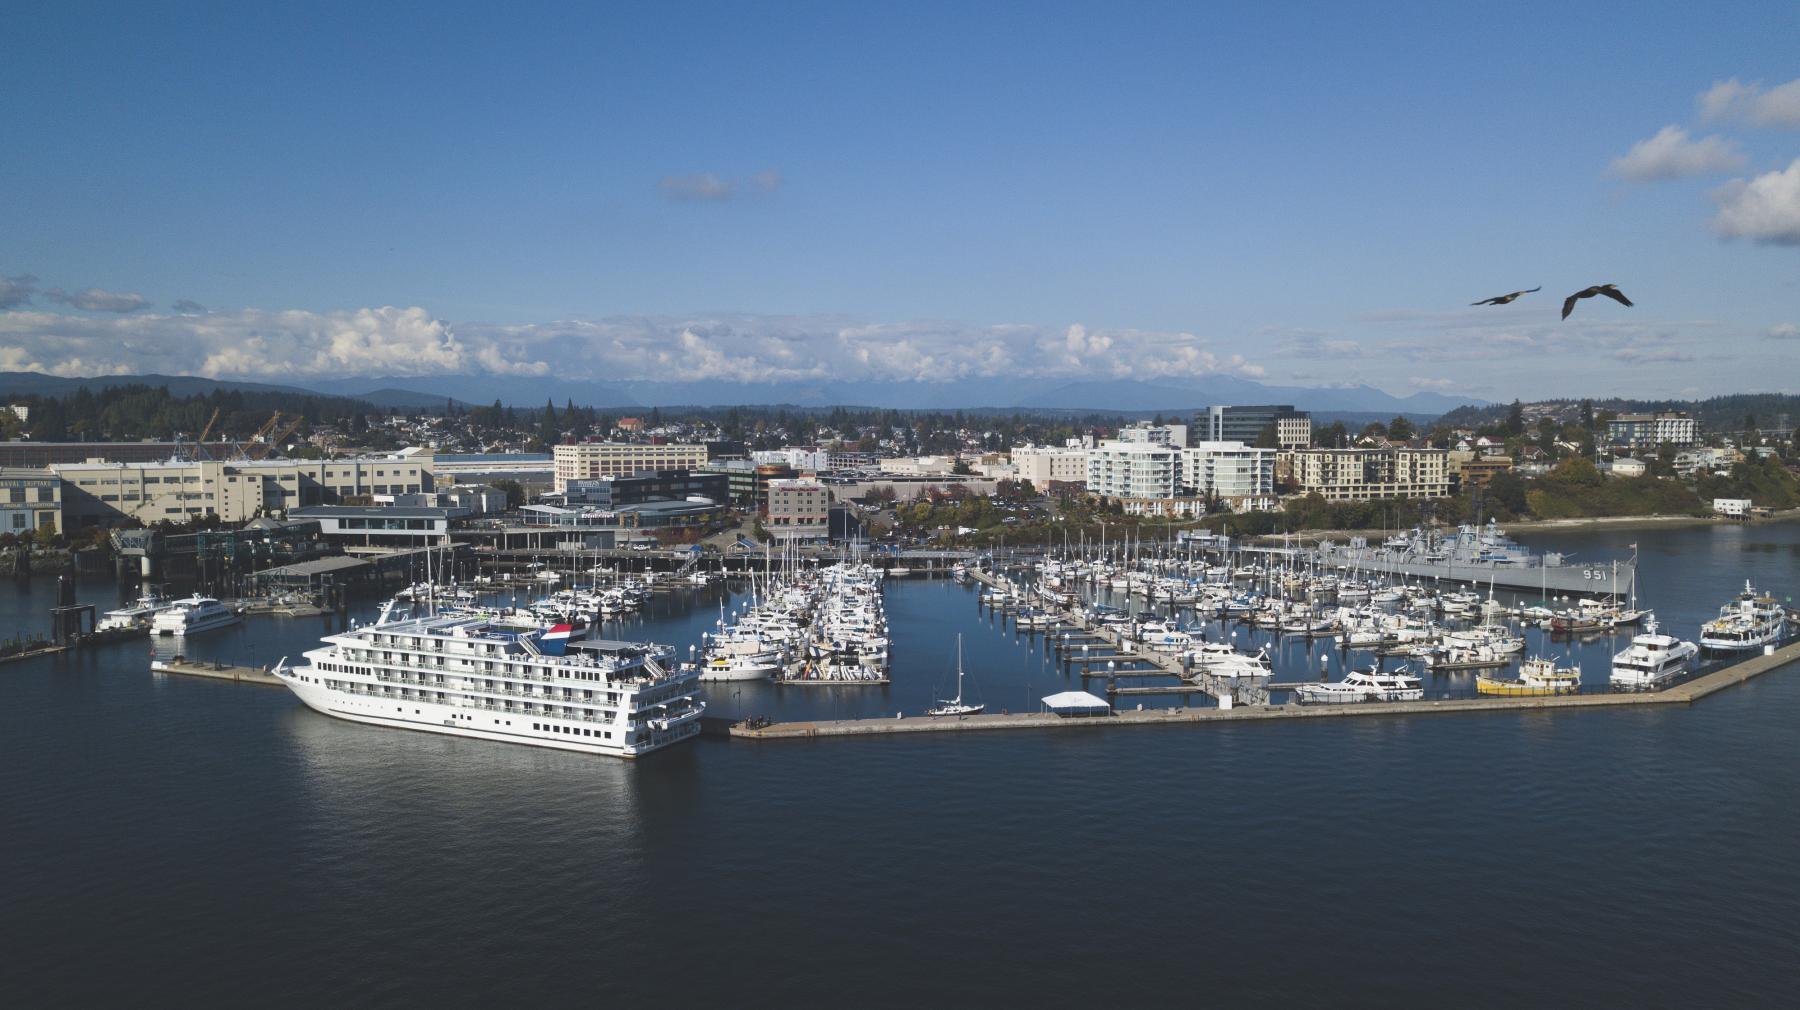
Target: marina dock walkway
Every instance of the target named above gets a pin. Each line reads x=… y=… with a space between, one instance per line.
x=213 y=671
x=1685 y=693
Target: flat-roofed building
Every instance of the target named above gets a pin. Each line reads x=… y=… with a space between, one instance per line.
x=1368 y=474
x=1229 y=470
x=1647 y=431
x=587 y=460
x=1044 y=465
x=1246 y=424
x=233 y=490
x=798 y=510
x=30 y=500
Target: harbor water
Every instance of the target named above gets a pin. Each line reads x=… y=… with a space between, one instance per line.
x=173 y=840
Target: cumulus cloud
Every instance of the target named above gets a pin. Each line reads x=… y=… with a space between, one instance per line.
x=1732 y=100
x=1636 y=355
x=188 y=307
x=1762 y=209
x=1784 y=331
x=96 y=300
x=726 y=347
x=17 y=291
x=696 y=188
x=1672 y=154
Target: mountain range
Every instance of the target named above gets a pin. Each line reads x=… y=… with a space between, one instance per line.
x=1100 y=395
x=1095 y=394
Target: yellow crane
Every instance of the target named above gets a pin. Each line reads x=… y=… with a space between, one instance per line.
x=209 y=426
x=276 y=440
x=257 y=448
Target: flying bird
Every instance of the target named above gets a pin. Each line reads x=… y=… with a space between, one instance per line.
x=1503 y=299
x=1609 y=290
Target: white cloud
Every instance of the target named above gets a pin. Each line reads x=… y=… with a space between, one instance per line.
x=17 y=291
x=1672 y=154
x=699 y=188
x=1732 y=100
x=733 y=348
x=96 y=300
x=1784 y=331
x=1763 y=209
x=1651 y=355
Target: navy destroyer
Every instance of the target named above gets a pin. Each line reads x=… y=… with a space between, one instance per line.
x=1481 y=555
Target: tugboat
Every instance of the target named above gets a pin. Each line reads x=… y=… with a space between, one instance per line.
x=1537 y=678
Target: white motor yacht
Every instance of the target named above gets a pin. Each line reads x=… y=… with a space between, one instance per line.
x=1652 y=660
x=192 y=616
x=1363 y=685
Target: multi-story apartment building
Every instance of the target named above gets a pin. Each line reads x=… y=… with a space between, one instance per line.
x=1647 y=431
x=586 y=460
x=1293 y=428
x=30 y=500
x=1044 y=465
x=233 y=490
x=1368 y=474
x=1134 y=470
x=1229 y=470
x=662 y=485
x=798 y=510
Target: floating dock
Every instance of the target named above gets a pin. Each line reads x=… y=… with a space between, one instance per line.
x=1685 y=693
x=217 y=671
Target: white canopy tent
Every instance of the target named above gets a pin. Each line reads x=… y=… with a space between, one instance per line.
x=1076 y=704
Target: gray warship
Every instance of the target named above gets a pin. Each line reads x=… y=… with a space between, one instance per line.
x=1480 y=555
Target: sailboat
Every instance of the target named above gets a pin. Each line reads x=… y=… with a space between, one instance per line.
x=956 y=706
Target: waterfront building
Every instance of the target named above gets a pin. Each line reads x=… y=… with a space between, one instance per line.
x=30 y=500
x=101 y=493
x=1293 y=428
x=1229 y=470
x=1647 y=431
x=616 y=491
x=390 y=526
x=1734 y=507
x=1044 y=465
x=1134 y=470
x=587 y=460
x=1367 y=474
x=798 y=510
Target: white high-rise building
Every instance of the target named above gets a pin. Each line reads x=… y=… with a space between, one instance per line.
x=1134 y=470
x=1229 y=470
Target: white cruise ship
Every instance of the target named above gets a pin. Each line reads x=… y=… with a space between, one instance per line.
x=471 y=675
x=192 y=616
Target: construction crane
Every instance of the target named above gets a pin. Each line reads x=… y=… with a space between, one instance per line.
x=257 y=448
x=209 y=425
x=276 y=440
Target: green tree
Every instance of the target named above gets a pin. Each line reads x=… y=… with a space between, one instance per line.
x=515 y=492
x=1400 y=428
x=1515 y=418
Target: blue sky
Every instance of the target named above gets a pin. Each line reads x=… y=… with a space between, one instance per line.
x=1298 y=195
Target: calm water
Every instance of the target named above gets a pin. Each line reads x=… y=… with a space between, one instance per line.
x=175 y=840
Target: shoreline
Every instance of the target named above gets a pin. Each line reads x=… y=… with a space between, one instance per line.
x=1574 y=523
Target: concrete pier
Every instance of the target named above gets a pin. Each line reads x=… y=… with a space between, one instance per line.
x=217 y=671
x=1685 y=693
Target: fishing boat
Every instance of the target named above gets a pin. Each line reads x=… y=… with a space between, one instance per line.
x=1538 y=677
x=956 y=705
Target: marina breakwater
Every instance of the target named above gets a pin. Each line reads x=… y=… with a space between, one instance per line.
x=1154 y=663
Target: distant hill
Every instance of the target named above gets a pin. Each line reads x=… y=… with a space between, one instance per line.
x=39 y=384
x=1179 y=395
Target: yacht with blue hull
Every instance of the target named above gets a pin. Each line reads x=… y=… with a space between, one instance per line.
x=477 y=676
